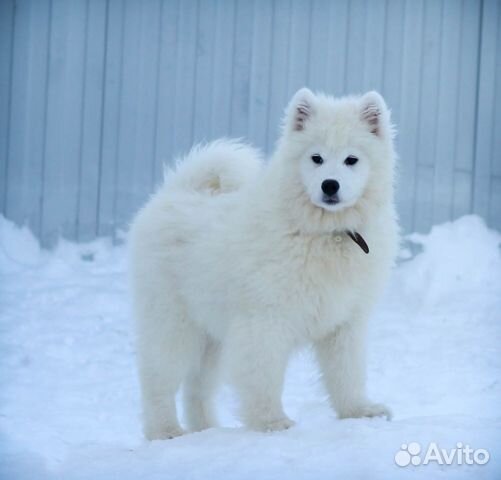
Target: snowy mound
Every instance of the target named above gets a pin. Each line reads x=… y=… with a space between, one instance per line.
x=457 y=258
x=70 y=401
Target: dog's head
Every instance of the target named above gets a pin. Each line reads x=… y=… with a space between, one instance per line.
x=338 y=143
x=341 y=148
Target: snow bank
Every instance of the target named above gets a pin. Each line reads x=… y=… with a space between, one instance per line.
x=69 y=403
x=457 y=258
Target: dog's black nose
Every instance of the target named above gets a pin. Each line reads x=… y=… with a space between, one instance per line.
x=330 y=187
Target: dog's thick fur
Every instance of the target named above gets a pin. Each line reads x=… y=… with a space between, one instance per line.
x=237 y=262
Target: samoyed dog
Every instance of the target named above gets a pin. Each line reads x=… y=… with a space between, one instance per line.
x=236 y=263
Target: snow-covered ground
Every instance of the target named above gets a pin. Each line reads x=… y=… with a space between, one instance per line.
x=69 y=393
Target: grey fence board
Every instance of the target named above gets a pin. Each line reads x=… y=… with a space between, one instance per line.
x=426 y=133
x=335 y=78
x=204 y=68
x=222 y=54
x=464 y=147
x=6 y=42
x=260 y=66
x=111 y=109
x=485 y=200
x=280 y=37
x=96 y=95
x=126 y=182
x=63 y=119
x=374 y=45
x=423 y=208
x=447 y=111
x=409 y=103
x=467 y=73
x=91 y=121
x=27 y=122
x=355 y=49
x=495 y=206
x=242 y=58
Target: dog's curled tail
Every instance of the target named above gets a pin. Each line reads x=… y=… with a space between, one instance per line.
x=219 y=167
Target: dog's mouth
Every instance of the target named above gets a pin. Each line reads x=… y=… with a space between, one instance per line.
x=330 y=199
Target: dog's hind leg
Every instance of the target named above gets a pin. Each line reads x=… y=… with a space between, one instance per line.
x=168 y=344
x=199 y=388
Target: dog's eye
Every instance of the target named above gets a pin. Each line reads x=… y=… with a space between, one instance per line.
x=351 y=160
x=317 y=159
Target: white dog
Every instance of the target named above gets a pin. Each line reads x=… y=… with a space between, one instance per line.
x=237 y=262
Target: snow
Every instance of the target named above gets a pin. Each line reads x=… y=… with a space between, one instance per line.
x=69 y=403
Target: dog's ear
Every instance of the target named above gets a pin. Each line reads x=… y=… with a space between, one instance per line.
x=375 y=114
x=300 y=110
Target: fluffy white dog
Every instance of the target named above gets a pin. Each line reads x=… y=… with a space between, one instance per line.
x=237 y=262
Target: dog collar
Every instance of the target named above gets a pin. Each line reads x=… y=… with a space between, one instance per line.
x=359 y=240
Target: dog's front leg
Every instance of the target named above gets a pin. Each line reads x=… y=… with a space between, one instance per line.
x=257 y=355
x=342 y=360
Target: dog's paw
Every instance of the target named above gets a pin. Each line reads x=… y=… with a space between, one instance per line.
x=272 y=425
x=280 y=424
x=164 y=433
x=367 y=410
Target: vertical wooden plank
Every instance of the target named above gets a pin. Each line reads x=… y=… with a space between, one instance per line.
x=27 y=114
x=355 y=54
x=425 y=153
x=138 y=110
x=462 y=193
x=64 y=107
x=428 y=99
x=409 y=110
x=335 y=58
x=6 y=65
x=447 y=114
x=222 y=71
x=496 y=123
x=128 y=120
x=204 y=76
x=293 y=54
x=318 y=75
x=278 y=95
x=393 y=46
x=242 y=58
x=494 y=218
x=299 y=45
x=374 y=45
x=486 y=109
x=184 y=105
x=66 y=102
x=156 y=175
x=91 y=122
x=165 y=121
x=109 y=144
x=65 y=117
x=15 y=205
x=259 y=95
x=467 y=88
x=423 y=213
x=144 y=160
x=465 y=100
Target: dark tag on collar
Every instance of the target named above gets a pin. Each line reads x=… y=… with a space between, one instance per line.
x=359 y=240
